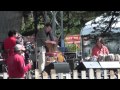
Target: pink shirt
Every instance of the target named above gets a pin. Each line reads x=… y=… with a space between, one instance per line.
x=96 y=51
x=16 y=66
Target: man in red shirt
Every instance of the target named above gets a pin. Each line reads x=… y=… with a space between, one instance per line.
x=99 y=48
x=10 y=42
x=16 y=64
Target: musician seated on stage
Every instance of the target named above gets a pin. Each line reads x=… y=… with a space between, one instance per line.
x=99 y=48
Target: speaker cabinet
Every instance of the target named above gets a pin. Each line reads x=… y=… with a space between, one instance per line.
x=59 y=67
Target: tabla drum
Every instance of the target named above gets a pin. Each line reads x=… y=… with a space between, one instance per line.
x=109 y=57
x=101 y=58
x=117 y=57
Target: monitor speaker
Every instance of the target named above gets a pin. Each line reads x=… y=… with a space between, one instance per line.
x=62 y=67
x=59 y=67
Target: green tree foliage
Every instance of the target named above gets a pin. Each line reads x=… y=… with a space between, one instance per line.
x=27 y=26
x=28 y=23
x=107 y=20
x=73 y=21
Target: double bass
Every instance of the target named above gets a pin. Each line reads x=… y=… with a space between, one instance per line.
x=53 y=51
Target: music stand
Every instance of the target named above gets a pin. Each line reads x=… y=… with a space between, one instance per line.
x=110 y=64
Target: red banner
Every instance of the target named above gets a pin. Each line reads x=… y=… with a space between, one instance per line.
x=72 y=39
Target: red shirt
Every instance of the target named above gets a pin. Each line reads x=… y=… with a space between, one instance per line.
x=96 y=51
x=16 y=66
x=9 y=44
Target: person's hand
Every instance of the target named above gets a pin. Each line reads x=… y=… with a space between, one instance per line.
x=30 y=62
x=53 y=42
x=47 y=41
x=94 y=58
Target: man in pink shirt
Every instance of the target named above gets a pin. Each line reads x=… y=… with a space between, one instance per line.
x=9 y=43
x=99 y=48
x=16 y=65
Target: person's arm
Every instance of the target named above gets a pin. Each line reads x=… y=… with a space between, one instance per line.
x=94 y=52
x=51 y=36
x=107 y=51
x=22 y=67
